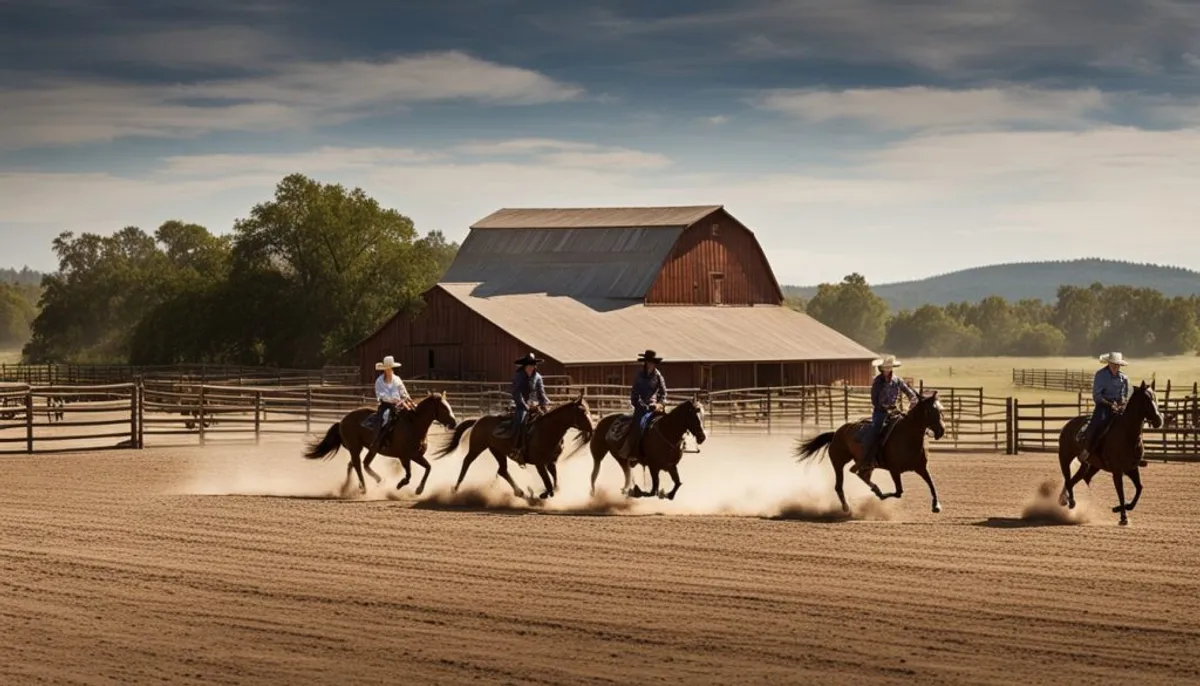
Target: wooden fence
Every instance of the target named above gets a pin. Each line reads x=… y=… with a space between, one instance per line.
x=1071 y=380
x=180 y=412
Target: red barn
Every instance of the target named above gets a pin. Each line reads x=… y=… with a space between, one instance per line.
x=589 y=289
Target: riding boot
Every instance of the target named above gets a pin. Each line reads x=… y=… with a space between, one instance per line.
x=633 y=442
x=519 y=444
x=868 y=459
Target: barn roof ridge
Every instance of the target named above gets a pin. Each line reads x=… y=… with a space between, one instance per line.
x=615 y=217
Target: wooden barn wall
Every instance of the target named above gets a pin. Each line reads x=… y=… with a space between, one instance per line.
x=687 y=276
x=727 y=376
x=459 y=343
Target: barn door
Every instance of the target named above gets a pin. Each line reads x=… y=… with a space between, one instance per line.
x=717 y=282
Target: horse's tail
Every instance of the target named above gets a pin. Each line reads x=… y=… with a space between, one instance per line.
x=807 y=449
x=599 y=442
x=326 y=447
x=456 y=439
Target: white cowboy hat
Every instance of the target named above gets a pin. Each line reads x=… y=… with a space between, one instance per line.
x=1113 y=358
x=887 y=361
x=389 y=362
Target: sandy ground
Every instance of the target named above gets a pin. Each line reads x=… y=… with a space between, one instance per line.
x=244 y=565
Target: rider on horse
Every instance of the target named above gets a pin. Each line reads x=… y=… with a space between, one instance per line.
x=393 y=398
x=527 y=387
x=1110 y=391
x=648 y=396
x=885 y=391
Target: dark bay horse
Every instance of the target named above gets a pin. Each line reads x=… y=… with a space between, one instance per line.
x=543 y=446
x=408 y=441
x=904 y=450
x=662 y=445
x=1120 y=450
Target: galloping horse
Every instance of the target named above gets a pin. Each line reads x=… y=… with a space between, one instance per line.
x=662 y=444
x=543 y=445
x=408 y=441
x=1120 y=449
x=903 y=451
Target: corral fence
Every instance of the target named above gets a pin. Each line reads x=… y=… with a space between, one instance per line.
x=1070 y=380
x=186 y=412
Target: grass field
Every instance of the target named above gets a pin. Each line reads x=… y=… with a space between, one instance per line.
x=10 y=356
x=994 y=374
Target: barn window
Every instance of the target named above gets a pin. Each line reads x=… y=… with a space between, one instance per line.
x=716 y=230
x=718 y=281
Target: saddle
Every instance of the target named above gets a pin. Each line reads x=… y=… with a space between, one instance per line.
x=863 y=433
x=619 y=431
x=1095 y=456
x=506 y=429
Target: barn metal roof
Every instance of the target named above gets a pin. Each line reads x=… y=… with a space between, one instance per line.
x=594 y=217
x=604 y=330
x=592 y=262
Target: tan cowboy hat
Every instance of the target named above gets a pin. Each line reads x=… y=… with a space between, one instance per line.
x=389 y=362
x=887 y=361
x=1113 y=358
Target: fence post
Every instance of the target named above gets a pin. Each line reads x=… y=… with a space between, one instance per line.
x=1016 y=426
x=257 y=417
x=846 y=402
x=770 y=410
x=308 y=410
x=133 y=416
x=29 y=420
x=200 y=415
x=141 y=413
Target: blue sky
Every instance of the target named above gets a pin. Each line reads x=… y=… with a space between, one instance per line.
x=897 y=139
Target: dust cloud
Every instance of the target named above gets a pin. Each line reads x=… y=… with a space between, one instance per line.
x=749 y=476
x=1044 y=507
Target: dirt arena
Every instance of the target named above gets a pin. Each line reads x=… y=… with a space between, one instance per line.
x=244 y=565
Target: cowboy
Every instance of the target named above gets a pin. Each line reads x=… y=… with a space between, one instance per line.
x=648 y=395
x=1110 y=391
x=392 y=395
x=527 y=387
x=885 y=391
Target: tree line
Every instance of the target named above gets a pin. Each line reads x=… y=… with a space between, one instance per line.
x=1081 y=321
x=19 y=294
x=297 y=283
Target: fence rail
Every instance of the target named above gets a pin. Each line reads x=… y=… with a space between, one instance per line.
x=102 y=374
x=1071 y=380
x=174 y=412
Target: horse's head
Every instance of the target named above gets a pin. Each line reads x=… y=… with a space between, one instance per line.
x=1143 y=400
x=692 y=413
x=580 y=416
x=929 y=411
x=442 y=412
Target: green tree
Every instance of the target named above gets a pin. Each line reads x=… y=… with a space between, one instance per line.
x=16 y=317
x=1077 y=313
x=851 y=308
x=929 y=331
x=320 y=267
x=996 y=322
x=1038 y=340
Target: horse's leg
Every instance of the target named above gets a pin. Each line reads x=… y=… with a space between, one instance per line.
x=404 y=462
x=420 y=460
x=654 y=482
x=356 y=463
x=553 y=469
x=1119 y=482
x=544 y=472
x=897 y=485
x=367 y=466
x=596 y=462
x=673 y=471
x=462 y=474
x=1085 y=471
x=1135 y=477
x=628 y=471
x=502 y=461
x=923 y=472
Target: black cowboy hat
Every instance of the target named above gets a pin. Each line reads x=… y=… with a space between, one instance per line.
x=529 y=359
x=649 y=356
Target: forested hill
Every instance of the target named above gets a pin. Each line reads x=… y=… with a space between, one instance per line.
x=1015 y=282
x=20 y=277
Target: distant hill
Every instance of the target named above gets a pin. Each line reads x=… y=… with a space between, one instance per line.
x=1027 y=280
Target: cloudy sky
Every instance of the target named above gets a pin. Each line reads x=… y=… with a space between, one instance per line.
x=893 y=138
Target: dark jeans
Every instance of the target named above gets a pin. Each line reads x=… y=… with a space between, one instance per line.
x=1100 y=417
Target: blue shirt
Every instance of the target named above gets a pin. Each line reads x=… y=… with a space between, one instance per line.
x=526 y=388
x=647 y=390
x=1110 y=387
x=885 y=393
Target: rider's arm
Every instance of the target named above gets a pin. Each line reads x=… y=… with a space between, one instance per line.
x=1098 y=388
x=635 y=400
x=517 y=396
x=908 y=390
x=382 y=391
x=403 y=389
x=1124 y=389
x=539 y=388
x=660 y=396
x=876 y=389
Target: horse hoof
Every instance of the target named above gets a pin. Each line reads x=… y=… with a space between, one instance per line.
x=1124 y=522
x=420 y=490
x=845 y=508
x=937 y=508
x=1071 y=504
x=1062 y=499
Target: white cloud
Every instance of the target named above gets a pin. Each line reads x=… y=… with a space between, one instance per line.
x=559 y=153
x=717 y=120
x=925 y=204
x=295 y=96
x=923 y=107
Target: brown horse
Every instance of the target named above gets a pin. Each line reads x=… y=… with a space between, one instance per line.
x=543 y=445
x=903 y=451
x=1120 y=450
x=662 y=445
x=408 y=441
